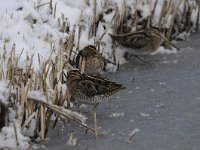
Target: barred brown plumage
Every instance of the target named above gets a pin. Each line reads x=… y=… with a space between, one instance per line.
x=90 y=89
x=142 y=42
x=94 y=62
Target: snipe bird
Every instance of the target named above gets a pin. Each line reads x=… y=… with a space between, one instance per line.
x=143 y=42
x=90 y=90
x=91 y=60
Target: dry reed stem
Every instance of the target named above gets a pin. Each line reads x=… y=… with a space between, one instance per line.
x=123 y=17
x=173 y=18
x=70 y=44
x=95 y=18
x=135 y=15
x=163 y=14
x=54 y=12
x=116 y=20
x=17 y=61
x=153 y=11
x=22 y=102
x=51 y=7
x=93 y=27
x=61 y=111
x=42 y=5
x=95 y=125
x=42 y=122
x=79 y=31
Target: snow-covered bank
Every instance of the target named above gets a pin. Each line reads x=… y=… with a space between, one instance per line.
x=32 y=25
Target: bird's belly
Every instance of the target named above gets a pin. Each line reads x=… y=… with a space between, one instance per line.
x=146 y=50
x=90 y=100
x=141 y=51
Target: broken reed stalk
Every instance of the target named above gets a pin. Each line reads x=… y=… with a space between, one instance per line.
x=150 y=15
x=42 y=122
x=51 y=7
x=154 y=7
x=95 y=125
x=39 y=61
x=123 y=17
x=135 y=16
x=17 y=61
x=131 y=135
x=22 y=102
x=95 y=18
x=93 y=27
x=58 y=111
x=54 y=12
x=79 y=31
x=42 y=5
x=163 y=14
x=116 y=20
x=188 y=18
x=173 y=18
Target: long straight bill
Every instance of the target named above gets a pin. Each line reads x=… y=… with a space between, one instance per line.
x=166 y=40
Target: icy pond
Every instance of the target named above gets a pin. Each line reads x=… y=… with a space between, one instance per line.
x=161 y=104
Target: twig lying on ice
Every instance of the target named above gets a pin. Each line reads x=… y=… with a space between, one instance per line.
x=68 y=114
x=131 y=135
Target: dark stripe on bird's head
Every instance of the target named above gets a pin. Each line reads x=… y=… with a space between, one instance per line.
x=74 y=73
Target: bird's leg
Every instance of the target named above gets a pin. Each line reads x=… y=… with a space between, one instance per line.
x=95 y=120
x=95 y=106
x=95 y=125
x=108 y=102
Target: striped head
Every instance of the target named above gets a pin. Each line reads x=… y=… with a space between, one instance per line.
x=73 y=75
x=86 y=52
x=152 y=32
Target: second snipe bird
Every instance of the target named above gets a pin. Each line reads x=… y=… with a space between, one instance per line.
x=143 y=42
x=90 y=61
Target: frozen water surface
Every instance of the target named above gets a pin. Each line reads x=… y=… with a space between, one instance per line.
x=174 y=106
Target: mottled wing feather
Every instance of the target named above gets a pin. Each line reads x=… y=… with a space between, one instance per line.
x=105 y=82
x=136 y=40
x=92 y=89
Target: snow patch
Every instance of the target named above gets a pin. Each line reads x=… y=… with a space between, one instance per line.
x=117 y=115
